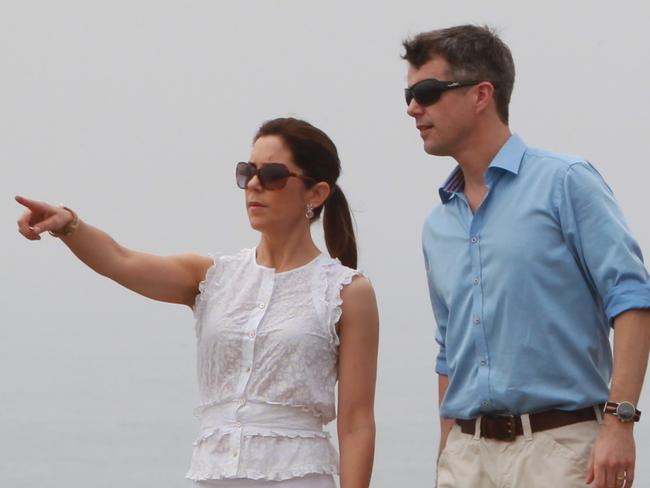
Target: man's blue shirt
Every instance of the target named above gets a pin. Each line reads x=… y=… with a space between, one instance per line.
x=525 y=291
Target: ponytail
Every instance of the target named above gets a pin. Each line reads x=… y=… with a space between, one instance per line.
x=339 y=232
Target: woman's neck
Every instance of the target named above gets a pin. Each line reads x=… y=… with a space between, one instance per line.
x=286 y=251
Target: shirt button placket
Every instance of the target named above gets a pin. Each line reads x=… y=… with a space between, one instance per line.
x=236 y=448
x=479 y=332
x=256 y=317
x=249 y=349
x=257 y=314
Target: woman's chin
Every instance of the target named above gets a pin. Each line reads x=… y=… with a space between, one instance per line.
x=258 y=224
x=270 y=226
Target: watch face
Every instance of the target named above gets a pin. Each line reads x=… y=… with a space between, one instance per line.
x=625 y=411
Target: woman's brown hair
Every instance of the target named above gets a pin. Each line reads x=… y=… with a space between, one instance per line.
x=315 y=153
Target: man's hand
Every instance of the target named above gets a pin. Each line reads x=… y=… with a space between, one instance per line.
x=611 y=464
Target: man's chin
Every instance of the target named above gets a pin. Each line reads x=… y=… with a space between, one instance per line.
x=435 y=150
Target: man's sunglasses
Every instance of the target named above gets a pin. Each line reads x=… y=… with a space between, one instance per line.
x=428 y=92
x=272 y=176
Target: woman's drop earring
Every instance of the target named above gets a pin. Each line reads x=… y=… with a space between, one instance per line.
x=310 y=211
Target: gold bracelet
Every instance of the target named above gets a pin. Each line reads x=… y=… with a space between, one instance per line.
x=70 y=227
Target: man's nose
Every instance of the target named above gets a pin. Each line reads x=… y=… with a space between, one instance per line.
x=414 y=108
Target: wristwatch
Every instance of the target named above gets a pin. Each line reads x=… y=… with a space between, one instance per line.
x=625 y=411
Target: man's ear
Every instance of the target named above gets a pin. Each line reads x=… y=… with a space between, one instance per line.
x=484 y=95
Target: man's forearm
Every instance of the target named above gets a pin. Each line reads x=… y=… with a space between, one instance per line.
x=445 y=427
x=445 y=423
x=631 y=349
x=613 y=456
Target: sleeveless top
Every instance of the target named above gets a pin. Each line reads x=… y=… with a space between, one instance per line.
x=267 y=357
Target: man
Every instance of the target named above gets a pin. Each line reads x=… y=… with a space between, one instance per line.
x=530 y=264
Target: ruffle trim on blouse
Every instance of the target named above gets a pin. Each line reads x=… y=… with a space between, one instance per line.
x=259 y=431
x=210 y=283
x=341 y=280
x=280 y=475
x=255 y=431
x=212 y=459
x=205 y=286
x=198 y=411
x=207 y=435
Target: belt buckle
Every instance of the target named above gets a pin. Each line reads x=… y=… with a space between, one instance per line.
x=511 y=434
x=499 y=427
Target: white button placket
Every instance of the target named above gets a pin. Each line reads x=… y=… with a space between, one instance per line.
x=257 y=315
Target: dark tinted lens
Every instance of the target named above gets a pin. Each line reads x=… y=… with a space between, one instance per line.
x=408 y=96
x=243 y=174
x=426 y=92
x=273 y=176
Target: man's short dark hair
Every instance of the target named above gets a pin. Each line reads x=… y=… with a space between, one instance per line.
x=472 y=52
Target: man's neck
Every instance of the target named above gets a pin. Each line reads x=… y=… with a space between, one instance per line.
x=479 y=151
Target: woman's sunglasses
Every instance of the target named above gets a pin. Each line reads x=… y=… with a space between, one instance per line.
x=428 y=92
x=272 y=176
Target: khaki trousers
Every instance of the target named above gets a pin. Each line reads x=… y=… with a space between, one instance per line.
x=554 y=458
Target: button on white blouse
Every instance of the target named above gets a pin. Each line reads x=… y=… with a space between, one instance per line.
x=267 y=354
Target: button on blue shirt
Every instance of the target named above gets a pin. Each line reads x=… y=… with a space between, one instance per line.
x=524 y=291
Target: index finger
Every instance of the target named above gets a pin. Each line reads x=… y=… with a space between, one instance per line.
x=32 y=204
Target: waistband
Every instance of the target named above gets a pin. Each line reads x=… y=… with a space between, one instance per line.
x=508 y=427
x=242 y=414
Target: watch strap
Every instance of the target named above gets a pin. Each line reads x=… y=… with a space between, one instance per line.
x=612 y=408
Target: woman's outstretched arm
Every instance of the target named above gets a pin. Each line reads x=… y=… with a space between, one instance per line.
x=171 y=279
x=359 y=336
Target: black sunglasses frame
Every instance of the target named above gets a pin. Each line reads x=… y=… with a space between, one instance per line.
x=267 y=181
x=427 y=92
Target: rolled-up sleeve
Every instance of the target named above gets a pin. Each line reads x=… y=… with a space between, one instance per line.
x=598 y=236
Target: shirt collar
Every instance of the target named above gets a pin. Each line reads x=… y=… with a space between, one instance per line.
x=508 y=159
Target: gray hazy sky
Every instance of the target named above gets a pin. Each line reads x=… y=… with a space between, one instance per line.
x=134 y=112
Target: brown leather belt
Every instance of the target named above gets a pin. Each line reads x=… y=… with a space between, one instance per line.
x=508 y=427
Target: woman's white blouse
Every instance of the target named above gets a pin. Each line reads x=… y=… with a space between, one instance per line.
x=267 y=368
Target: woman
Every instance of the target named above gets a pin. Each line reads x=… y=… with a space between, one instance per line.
x=276 y=325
